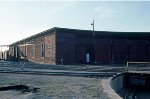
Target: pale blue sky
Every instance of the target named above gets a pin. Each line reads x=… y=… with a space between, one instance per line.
x=25 y=18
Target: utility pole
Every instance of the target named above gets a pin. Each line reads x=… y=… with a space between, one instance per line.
x=93 y=27
x=93 y=42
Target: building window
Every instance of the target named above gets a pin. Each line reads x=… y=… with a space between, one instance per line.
x=2 y=55
x=26 y=49
x=43 y=49
x=33 y=51
x=12 y=51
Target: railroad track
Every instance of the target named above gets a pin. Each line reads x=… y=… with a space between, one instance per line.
x=66 y=73
x=32 y=68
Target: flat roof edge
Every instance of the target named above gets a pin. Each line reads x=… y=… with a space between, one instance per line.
x=34 y=36
x=69 y=30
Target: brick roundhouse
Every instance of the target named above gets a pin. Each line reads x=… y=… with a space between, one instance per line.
x=73 y=46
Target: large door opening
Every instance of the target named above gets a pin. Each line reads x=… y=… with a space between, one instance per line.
x=4 y=52
x=89 y=56
x=84 y=54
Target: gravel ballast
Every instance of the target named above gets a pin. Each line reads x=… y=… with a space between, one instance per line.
x=56 y=87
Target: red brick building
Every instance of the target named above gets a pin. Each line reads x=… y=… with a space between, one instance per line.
x=73 y=46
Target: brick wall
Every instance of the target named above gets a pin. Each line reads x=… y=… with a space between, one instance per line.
x=11 y=53
x=32 y=49
x=50 y=48
x=49 y=57
x=72 y=47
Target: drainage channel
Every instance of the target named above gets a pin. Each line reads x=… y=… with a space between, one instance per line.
x=17 y=92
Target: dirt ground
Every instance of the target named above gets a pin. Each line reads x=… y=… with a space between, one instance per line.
x=55 y=87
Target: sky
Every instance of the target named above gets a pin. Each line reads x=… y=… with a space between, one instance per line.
x=21 y=19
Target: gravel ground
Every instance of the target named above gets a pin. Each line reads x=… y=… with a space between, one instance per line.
x=57 y=87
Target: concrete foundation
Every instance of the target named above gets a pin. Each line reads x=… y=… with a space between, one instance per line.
x=131 y=85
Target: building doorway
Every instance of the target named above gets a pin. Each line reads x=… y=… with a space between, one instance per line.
x=84 y=54
x=4 y=52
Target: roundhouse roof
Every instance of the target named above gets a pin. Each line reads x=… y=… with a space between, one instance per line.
x=98 y=34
